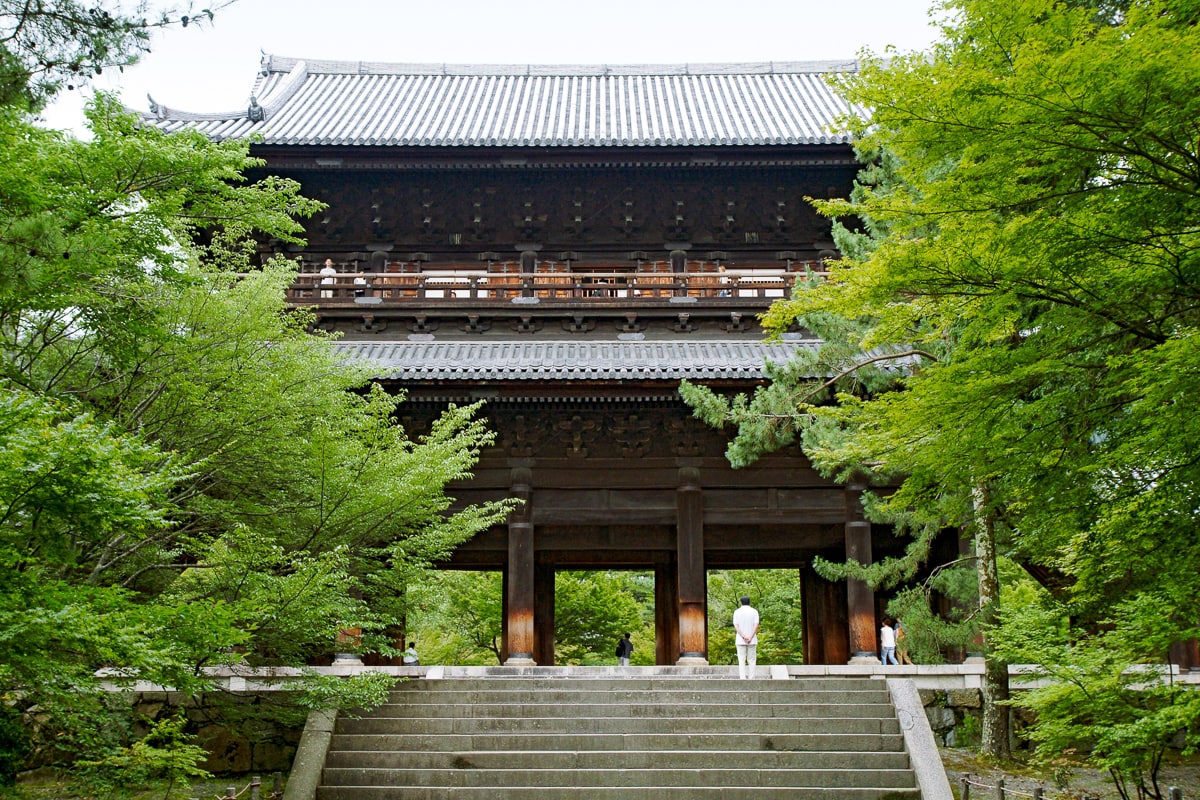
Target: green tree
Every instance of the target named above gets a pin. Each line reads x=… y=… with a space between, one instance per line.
x=189 y=477
x=1039 y=267
x=458 y=617
x=49 y=45
x=592 y=610
x=775 y=593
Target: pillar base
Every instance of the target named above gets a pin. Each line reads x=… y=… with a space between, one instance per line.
x=347 y=660
x=864 y=658
x=520 y=660
x=692 y=661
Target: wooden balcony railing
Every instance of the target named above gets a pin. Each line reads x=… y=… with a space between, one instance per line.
x=479 y=286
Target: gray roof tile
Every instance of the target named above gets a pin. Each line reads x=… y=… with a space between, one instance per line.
x=425 y=105
x=567 y=361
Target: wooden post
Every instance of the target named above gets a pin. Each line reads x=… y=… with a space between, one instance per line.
x=824 y=619
x=1000 y=793
x=519 y=597
x=543 y=613
x=666 y=613
x=860 y=598
x=503 y=655
x=693 y=584
x=965 y=782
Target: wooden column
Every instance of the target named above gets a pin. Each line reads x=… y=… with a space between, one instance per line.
x=825 y=619
x=666 y=613
x=519 y=593
x=692 y=582
x=860 y=598
x=973 y=653
x=543 y=614
x=503 y=615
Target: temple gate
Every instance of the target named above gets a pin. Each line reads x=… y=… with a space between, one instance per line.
x=568 y=243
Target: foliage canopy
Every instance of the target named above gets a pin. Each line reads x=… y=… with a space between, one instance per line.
x=188 y=476
x=1026 y=248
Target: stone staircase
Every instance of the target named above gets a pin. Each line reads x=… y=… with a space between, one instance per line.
x=634 y=738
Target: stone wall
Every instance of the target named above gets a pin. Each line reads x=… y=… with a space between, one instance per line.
x=243 y=732
x=954 y=715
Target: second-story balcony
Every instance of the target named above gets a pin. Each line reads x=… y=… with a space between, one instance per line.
x=468 y=287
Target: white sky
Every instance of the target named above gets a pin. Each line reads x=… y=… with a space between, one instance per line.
x=212 y=68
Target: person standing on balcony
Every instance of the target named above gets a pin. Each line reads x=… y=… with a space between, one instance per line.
x=723 y=280
x=328 y=274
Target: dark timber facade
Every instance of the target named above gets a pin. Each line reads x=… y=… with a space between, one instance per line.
x=567 y=244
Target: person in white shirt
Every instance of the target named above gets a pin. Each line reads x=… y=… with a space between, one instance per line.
x=887 y=642
x=745 y=626
x=328 y=275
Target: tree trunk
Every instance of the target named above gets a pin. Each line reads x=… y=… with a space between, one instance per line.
x=995 y=679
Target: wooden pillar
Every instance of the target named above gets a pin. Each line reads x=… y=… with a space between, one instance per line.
x=692 y=581
x=543 y=613
x=678 y=260
x=973 y=652
x=666 y=613
x=503 y=615
x=825 y=619
x=860 y=598
x=519 y=593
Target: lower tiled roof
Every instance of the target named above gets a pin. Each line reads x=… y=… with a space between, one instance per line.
x=571 y=361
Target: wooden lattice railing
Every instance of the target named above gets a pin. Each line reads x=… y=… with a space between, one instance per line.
x=481 y=286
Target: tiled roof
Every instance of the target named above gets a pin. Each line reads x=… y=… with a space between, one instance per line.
x=568 y=361
x=298 y=102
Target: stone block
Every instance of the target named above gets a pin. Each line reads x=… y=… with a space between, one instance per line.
x=226 y=752
x=940 y=717
x=272 y=756
x=932 y=697
x=964 y=698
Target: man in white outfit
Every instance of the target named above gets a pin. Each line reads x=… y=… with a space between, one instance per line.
x=745 y=626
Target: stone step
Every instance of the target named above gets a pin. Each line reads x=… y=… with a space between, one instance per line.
x=602 y=737
x=630 y=791
x=619 y=724
x=464 y=743
x=643 y=683
x=722 y=775
x=513 y=711
x=439 y=696
x=616 y=759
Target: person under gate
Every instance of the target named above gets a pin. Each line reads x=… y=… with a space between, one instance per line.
x=745 y=626
x=624 y=651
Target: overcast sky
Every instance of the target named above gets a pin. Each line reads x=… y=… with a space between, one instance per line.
x=212 y=68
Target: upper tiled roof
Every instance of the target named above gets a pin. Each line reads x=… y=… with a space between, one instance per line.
x=567 y=361
x=298 y=102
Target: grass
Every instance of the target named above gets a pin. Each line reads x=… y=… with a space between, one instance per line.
x=53 y=785
x=1066 y=779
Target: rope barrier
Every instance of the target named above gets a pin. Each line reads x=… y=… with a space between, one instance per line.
x=1002 y=792
x=254 y=787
